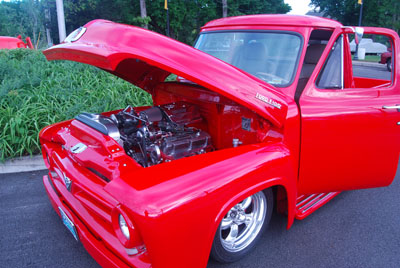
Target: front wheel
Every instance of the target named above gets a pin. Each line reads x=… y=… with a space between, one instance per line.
x=242 y=227
x=389 y=65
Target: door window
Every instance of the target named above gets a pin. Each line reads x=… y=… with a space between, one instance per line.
x=372 y=61
x=331 y=76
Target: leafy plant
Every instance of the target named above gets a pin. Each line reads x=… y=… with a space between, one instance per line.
x=35 y=93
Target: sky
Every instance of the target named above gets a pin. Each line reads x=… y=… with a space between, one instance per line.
x=299 y=7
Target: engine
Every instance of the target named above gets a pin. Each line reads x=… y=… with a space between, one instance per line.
x=155 y=135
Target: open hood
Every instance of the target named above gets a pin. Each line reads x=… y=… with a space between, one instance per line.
x=146 y=58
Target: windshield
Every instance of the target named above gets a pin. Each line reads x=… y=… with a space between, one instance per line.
x=270 y=56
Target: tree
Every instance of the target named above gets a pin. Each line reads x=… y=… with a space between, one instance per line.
x=23 y=17
x=36 y=20
x=389 y=14
x=224 y=8
x=10 y=20
x=186 y=16
x=143 y=12
x=245 y=7
x=384 y=13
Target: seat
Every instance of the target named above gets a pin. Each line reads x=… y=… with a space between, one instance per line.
x=313 y=53
x=252 y=58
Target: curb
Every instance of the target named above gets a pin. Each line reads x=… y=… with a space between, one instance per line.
x=22 y=164
x=368 y=63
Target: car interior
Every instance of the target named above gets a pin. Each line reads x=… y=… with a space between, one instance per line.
x=315 y=47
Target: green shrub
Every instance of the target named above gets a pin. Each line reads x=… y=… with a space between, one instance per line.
x=35 y=93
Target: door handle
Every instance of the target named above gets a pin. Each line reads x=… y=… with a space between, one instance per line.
x=386 y=107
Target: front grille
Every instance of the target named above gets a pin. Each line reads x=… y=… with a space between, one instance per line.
x=98 y=174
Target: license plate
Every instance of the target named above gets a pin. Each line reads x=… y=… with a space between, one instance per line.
x=69 y=224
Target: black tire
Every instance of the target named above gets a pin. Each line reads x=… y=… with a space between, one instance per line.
x=224 y=252
x=389 y=64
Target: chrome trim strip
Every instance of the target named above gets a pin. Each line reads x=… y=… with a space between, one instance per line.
x=318 y=196
x=132 y=251
x=342 y=63
x=305 y=200
x=319 y=201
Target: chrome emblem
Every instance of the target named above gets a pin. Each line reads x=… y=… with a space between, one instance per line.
x=269 y=101
x=75 y=35
x=78 y=148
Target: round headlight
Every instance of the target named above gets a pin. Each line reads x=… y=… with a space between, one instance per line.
x=123 y=226
x=124 y=229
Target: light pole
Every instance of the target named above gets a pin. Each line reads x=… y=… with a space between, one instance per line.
x=61 y=20
x=360 y=2
x=47 y=17
x=166 y=7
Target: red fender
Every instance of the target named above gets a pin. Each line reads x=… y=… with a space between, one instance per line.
x=174 y=203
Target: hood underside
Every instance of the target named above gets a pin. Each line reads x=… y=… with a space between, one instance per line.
x=145 y=58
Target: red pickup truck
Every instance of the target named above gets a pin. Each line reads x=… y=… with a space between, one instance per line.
x=7 y=42
x=267 y=114
x=386 y=58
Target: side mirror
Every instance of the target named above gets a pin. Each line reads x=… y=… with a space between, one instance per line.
x=359 y=32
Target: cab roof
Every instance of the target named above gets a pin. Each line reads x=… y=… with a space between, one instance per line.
x=275 y=20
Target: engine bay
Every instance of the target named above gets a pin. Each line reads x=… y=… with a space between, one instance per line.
x=155 y=135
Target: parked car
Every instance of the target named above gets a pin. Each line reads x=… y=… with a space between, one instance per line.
x=272 y=118
x=386 y=58
x=370 y=46
x=7 y=42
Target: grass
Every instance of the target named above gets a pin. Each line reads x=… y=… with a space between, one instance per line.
x=35 y=93
x=372 y=58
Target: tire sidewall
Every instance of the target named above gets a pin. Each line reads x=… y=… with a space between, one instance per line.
x=389 y=65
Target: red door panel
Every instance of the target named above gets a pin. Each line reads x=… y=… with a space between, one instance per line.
x=348 y=141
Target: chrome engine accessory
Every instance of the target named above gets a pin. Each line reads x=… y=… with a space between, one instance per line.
x=157 y=134
x=155 y=154
x=184 y=144
x=101 y=123
x=153 y=114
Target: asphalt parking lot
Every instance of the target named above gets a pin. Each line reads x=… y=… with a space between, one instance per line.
x=356 y=229
x=371 y=70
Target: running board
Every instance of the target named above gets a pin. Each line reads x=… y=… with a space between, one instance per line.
x=307 y=204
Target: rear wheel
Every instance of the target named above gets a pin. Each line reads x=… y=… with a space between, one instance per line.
x=242 y=226
x=389 y=65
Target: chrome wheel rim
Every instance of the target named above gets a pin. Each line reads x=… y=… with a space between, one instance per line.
x=243 y=223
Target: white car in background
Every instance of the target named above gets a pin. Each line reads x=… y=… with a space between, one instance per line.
x=370 y=46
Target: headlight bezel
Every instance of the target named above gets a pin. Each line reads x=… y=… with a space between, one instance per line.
x=134 y=239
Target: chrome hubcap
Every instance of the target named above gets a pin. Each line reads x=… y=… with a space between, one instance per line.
x=243 y=222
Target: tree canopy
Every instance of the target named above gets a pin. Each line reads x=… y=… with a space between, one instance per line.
x=21 y=17
x=26 y=17
x=382 y=13
x=186 y=16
